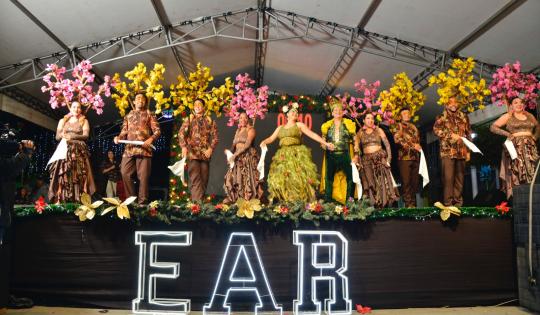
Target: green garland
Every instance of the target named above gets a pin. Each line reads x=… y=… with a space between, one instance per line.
x=307 y=103
x=288 y=212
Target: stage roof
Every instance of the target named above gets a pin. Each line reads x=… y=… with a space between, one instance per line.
x=315 y=47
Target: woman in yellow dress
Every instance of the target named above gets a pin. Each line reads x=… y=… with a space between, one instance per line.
x=293 y=175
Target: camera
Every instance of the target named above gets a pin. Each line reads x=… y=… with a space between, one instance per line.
x=9 y=143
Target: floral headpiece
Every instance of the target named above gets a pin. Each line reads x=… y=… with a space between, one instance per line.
x=253 y=102
x=141 y=83
x=65 y=91
x=459 y=82
x=186 y=91
x=400 y=96
x=334 y=102
x=509 y=82
x=293 y=106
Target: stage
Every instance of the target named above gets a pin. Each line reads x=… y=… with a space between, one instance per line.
x=393 y=262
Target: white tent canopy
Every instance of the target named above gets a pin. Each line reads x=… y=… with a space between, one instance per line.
x=298 y=47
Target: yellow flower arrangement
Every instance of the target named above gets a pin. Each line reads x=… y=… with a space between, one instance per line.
x=122 y=210
x=459 y=82
x=87 y=209
x=402 y=94
x=154 y=204
x=141 y=81
x=184 y=93
x=247 y=208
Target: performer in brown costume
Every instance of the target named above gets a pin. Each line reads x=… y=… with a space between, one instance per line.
x=375 y=171
x=450 y=127
x=72 y=176
x=242 y=180
x=407 y=139
x=139 y=125
x=198 y=138
x=522 y=129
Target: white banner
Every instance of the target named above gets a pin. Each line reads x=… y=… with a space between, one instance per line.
x=178 y=169
x=60 y=153
x=471 y=145
x=260 y=165
x=356 y=180
x=511 y=149
x=423 y=170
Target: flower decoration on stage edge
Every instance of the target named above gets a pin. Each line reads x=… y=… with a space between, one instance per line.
x=281 y=209
x=185 y=92
x=402 y=95
x=153 y=208
x=141 y=81
x=87 y=210
x=509 y=82
x=315 y=207
x=246 y=99
x=363 y=309
x=502 y=208
x=447 y=211
x=40 y=205
x=459 y=82
x=122 y=210
x=247 y=208
x=222 y=207
x=194 y=208
x=64 y=91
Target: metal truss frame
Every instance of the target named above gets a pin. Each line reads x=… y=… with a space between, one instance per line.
x=259 y=25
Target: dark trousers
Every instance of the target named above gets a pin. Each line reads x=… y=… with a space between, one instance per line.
x=453 y=174
x=136 y=167
x=198 y=171
x=409 y=181
x=336 y=162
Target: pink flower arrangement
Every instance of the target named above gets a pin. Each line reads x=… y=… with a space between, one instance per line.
x=253 y=102
x=64 y=91
x=509 y=82
x=355 y=107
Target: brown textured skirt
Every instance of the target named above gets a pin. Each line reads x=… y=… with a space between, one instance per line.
x=242 y=181
x=520 y=170
x=377 y=180
x=72 y=176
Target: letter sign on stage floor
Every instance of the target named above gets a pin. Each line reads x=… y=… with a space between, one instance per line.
x=322 y=263
x=150 y=270
x=242 y=253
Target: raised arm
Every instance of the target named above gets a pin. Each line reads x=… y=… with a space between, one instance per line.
x=305 y=130
x=496 y=127
x=270 y=139
x=60 y=130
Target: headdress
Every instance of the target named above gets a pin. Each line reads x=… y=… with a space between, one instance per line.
x=459 y=82
x=293 y=106
x=509 y=82
x=400 y=96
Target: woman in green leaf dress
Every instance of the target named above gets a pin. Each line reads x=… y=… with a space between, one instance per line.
x=293 y=175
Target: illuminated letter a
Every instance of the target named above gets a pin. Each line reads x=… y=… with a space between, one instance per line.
x=242 y=253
